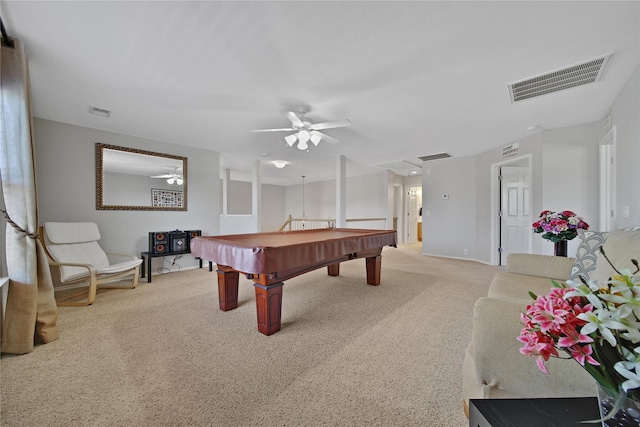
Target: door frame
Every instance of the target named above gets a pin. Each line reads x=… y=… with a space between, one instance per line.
x=608 y=180
x=496 y=197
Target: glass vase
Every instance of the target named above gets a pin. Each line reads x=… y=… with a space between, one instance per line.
x=618 y=410
x=560 y=248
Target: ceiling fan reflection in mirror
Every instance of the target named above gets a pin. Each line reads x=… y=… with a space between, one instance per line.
x=305 y=130
x=171 y=178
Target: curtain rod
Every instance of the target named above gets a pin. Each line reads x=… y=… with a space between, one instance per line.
x=6 y=41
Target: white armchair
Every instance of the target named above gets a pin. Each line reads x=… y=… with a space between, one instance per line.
x=72 y=247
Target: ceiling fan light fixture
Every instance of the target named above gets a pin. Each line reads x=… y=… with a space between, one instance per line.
x=170 y=181
x=179 y=181
x=303 y=136
x=291 y=139
x=315 y=138
x=302 y=145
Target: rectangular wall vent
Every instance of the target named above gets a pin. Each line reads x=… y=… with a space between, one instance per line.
x=565 y=78
x=434 y=157
x=97 y=111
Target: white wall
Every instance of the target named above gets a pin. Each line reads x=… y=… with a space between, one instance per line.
x=625 y=114
x=571 y=180
x=366 y=198
x=273 y=207
x=564 y=176
x=239 y=218
x=239 y=198
x=65 y=165
x=448 y=224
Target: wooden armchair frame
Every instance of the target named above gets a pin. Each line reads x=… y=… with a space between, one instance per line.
x=94 y=279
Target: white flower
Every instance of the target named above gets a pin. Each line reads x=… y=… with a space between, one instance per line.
x=600 y=320
x=624 y=368
x=582 y=290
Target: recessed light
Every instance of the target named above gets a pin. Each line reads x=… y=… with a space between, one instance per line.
x=279 y=163
x=534 y=128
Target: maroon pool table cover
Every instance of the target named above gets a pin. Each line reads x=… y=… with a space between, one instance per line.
x=263 y=253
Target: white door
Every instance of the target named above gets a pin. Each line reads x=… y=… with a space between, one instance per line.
x=515 y=212
x=414 y=203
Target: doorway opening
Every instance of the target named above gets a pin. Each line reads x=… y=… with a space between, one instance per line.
x=413 y=215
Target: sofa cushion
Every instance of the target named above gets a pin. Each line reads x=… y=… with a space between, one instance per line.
x=587 y=254
x=554 y=267
x=621 y=246
x=516 y=287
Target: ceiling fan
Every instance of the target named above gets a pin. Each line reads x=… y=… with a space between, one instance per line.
x=305 y=130
x=172 y=177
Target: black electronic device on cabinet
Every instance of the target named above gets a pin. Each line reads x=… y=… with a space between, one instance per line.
x=166 y=244
x=178 y=241
x=159 y=242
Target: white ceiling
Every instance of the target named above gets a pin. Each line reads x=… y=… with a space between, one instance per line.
x=415 y=78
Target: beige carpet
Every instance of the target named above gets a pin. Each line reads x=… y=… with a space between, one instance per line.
x=348 y=354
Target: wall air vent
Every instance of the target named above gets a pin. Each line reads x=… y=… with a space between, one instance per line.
x=96 y=111
x=565 y=78
x=434 y=157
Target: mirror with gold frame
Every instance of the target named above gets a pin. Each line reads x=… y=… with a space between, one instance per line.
x=131 y=179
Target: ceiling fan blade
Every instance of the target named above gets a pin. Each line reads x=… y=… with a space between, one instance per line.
x=162 y=176
x=274 y=130
x=325 y=137
x=294 y=119
x=329 y=125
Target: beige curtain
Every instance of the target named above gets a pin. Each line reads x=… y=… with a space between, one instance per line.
x=31 y=313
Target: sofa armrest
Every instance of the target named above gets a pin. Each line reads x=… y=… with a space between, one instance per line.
x=494 y=367
x=552 y=267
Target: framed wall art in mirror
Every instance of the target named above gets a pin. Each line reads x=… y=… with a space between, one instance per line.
x=126 y=177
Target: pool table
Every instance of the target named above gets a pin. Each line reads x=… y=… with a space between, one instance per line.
x=271 y=258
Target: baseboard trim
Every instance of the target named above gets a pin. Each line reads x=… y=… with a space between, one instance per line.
x=455 y=257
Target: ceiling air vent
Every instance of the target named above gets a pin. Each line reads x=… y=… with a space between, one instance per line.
x=434 y=157
x=565 y=78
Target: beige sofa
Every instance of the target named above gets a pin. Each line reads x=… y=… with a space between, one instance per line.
x=493 y=367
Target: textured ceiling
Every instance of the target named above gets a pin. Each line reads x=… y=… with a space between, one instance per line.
x=415 y=78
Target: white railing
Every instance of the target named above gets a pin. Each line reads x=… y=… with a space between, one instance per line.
x=311 y=224
x=367 y=223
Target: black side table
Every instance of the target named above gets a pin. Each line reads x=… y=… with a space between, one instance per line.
x=548 y=412
x=146 y=261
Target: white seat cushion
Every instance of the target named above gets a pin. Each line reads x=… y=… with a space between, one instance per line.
x=121 y=266
x=79 y=253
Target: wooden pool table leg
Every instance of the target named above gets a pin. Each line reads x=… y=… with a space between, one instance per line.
x=227 y=289
x=333 y=269
x=373 y=270
x=269 y=307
